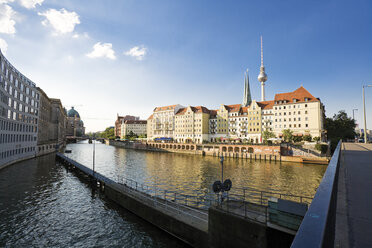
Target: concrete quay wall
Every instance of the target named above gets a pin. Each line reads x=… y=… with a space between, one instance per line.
x=252 y=152
x=230 y=230
x=167 y=222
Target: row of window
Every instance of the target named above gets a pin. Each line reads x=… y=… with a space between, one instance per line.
x=289 y=119
x=11 y=153
x=13 y=138
x=16 y=127
x=290 y=125
x=294 y=106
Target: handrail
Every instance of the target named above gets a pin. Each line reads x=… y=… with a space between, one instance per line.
x=317 y=227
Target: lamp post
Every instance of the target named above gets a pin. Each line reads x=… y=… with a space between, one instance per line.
x=222 y=168
x=94 y=152
x=364 y=113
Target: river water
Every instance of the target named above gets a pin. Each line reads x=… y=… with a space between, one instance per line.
x=43 y=205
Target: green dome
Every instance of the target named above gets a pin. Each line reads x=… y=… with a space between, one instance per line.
x=72 y=113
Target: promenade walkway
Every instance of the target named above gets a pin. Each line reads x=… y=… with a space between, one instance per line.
x=354 y=198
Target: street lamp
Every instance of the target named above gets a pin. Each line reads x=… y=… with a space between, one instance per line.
x=94 y=152
x=364 y=112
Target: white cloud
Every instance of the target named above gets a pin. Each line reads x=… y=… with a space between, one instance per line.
x=30 y=4
x=3 y=46
x=138 y=52
x=83 y=35
x=102 y=50
x=62 y=20
x=7 y=21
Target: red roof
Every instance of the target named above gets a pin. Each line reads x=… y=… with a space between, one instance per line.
x=135 y=122
x=266 y=104
x=300 y=94
x=198 y=109
x=170 y=107
x=150 y=118
x=233 y=107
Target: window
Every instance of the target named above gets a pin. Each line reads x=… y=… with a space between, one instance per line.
x=306 y=125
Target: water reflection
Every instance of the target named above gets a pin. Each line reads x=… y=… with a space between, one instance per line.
x=43 y=205
x=195 y=174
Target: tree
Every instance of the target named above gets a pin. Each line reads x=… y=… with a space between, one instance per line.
x=307 y=137
x=267 y=135
x=109 y=133
x=287 y=135
x=340 y=126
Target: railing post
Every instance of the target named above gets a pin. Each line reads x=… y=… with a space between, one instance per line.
x=165 y=195
x=175 y=197
x=244 y=194
x=136 y=185
x=261 y=197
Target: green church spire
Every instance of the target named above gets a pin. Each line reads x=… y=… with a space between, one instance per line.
x=247 y=99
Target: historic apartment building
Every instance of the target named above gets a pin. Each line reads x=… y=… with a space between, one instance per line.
x=137 y=127
x=298 y=111
x=163 y=122
x=191 y=124
x=120 y=120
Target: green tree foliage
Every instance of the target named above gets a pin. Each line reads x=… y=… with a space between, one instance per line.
x=316 y=139
x=287 y=135
x=322 y=148
x=307 y=137
x=109 y=133
x=340 y=126
x=297 y=139
x=267 y=135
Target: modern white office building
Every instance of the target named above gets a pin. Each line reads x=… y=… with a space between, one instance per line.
x=19 y=111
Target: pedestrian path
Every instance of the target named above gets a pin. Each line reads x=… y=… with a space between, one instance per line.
x=354 y=199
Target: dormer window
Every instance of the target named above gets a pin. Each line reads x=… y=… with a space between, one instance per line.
x=306 y=99
x=294 y=100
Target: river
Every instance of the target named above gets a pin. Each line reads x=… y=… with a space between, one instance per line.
x=43 y=205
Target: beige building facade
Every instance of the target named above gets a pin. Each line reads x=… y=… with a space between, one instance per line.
x=163 y=119
x=191 y=124
x=137 y=127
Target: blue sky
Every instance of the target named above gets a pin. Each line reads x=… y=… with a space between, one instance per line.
x=127 y=57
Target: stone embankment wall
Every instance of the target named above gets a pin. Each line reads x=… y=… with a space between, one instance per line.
x=252 y=152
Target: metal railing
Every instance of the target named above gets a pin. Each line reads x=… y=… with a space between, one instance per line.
x=317 y=228
x=176 y=202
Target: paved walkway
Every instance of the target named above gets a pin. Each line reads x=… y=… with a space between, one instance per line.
x=354 y=200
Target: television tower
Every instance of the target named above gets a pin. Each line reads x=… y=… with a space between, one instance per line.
x=262 y=77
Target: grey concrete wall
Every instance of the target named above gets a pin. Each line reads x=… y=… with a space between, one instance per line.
x=228 y=230
x=168 y=223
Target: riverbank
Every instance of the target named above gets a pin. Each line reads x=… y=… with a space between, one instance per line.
x=251 y=152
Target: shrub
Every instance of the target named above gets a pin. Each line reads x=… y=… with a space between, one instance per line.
x=307 y=138
x=322 y=148
x=317 y=139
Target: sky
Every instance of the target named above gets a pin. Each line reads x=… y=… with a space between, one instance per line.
x=127 y=57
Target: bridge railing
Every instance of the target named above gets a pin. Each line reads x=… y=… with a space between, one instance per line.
x=317 y=227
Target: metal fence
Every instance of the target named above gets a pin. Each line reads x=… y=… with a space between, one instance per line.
x=317 y=228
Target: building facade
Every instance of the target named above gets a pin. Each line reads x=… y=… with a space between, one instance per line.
x=31 y=123
x=52 y=124
x=136 y=127
x=192 y=124
x=120 y=120
x=163 y=125
x=300 y=112
x=19 y=114
x=75 y=126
